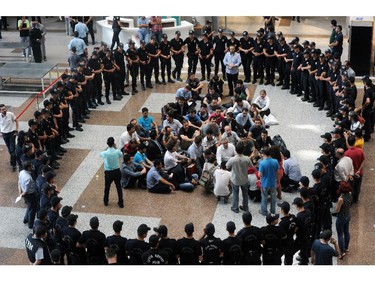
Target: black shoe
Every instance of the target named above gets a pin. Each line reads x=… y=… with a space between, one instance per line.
x=105 y=203
x=100 y=102
x=261 y=82
x=292 y=92
x=143 y=88
x=334 y=214
x=56 y=157
x=164 y=83
x=326 y=108
x=120 y=205
x=243 y=208
x=272 y=84
x=285 y=87
x=320 y=108
x=62 y=149
x=303 y=99
x=79 y=129
x=70 y=135
x=279 y=84
x=298 y=95
x=174 y=74
x=92 y=106
x=149 y=86
x=329 y=114
x=158 y=82
x=133 y=93
x=225 y=78
x=203 y=78
x=254 y=81
x=70 y=129
x=267 y=83
x=135 y=90
x=179 y=79
x=316 y=104
x=246 y=81
x=170 y=81
x=116 y=98
x=108 y=101
x=95 y=103
x=81 y=121
x=126 y=85
x=311 y=101
x=63 y=141
x=125 y=94
x=86 y=117
x=235 y=210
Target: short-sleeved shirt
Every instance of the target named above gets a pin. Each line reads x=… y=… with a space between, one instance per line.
x=139 y=158
x=268 y=167
x=192 y=45
x=153 y=177
x=323 y=253
x=111 y=157
x=239 y=165
x=146 y=122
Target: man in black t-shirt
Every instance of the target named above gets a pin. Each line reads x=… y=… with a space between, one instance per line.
x=232 y=246
x=211 y=246
x=206 y=51
x=136 y=247
x=167 y=244
x=177 y=48
x=220 y=42
x=192 y=44
x=289 y=224
x=118 y=242
x=155 y=256
x=165 y=58
x=189 y=251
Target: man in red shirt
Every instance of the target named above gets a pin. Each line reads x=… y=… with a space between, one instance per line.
x=358 y=158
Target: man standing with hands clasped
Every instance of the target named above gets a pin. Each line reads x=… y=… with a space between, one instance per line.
x=112 y=171
x=232 y=61
x=9 y=130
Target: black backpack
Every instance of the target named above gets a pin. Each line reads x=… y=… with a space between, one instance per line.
x=278 y=140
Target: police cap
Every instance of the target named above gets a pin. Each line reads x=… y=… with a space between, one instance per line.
x=165 y=35
x=192 y=32
x=245 y=33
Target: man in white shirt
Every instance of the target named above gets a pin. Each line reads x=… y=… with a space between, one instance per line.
x=9 y=130
x=232 y=136
x=263 y=101
x=344 y=170
x=225 y=151
x=128 y=135
x=174 y=124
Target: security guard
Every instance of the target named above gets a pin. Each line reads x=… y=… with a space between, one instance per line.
x=208 y=30
x=220 y=42
x=288 y=66
x=119 y=58
x=312 y=71
x=258 y=59
x=133 y=65
x=165 y=58
x=281 y=53
x=270 y=59
x=192 y=45
x=206 y=50
x=96 y=67
x=108 y=75
x=36 y=247
x=304 y=68
x=246 y=47
x=153 y=53
x=233 y=41
x=178 y=50
x=144 y=60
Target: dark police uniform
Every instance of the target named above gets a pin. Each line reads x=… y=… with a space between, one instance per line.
x=170 y=246
x=144 y=60
x=89 y=94
x=232 y=250
x=189 y=251
x=205 y=55
x=119 y=58
x=333 y=74
x=295 y=73
x=312 y=81
x=321 y=85
x=135 y=249
x=211 y=247
x=303 y=234
x=109 y=77
x=152 y=50
x=32 y=245
x=258 y=59
x=133 y=65
x=306 y=62
x=71 y=86
x=177 y=46
x=220 y=42
x=246 y=47
x=289 y=223
x=282 y=50
x=251 y=245
x=192 y=44
x=270 y=62
x=273 y=236
x=116 y=31
x=35 y=36
x=82 y=95
x=165 y=50
x=95 y=64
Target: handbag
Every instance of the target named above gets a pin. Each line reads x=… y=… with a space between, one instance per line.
x=205 y=177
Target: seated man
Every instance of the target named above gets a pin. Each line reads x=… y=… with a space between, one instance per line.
x=256 y=129
x=210 y=95
x=156 y=182
x=193 y=118
x=147 y=122
x=218 y=113
x=140 y=157
x=155 y=149
x=214 y=126
x=217 y=84
x=230 y=121
x=195 y=153
x=210 y=141
x=211 y=108
x=129 y=134
x=132 y=173
x=244 y=120
x=244 y=91
x=232 y=136
x=174 y=124
x=184 y=93
x=238 y=106
x=292 y=172
x=264 y=140
x=263 y=101
x=195 y=85
x=187 y=134
x=143 y=135
x=203 y=112
x=225 y=151
x=182 y=108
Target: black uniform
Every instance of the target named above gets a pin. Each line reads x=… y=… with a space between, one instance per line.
x=152 y=49
x=289 y=223
x=282 y=49
x=170 y=246
x=273 y=236
x=131 y=55
x=33 y=245
x=232 y=250
x=95 y=64
x=232 y=41
x=205 y=56
x=192 y=54
x=258 y=59
x=321 y=88
x=90 y=26
x=303 y=235
x=109 y=77
x=211 y=247
x=189 y=251
x=165 y=48
x=247 y=58
x=116 y=31
x=118 y=243
x=177 y=45
x=306 y=62
x=35 y=40
x=155 y=257
x=270 y=62
x=295 y=73
x=119 y=58
x=251 y=245
x=220 y=43
x=135 y=249
x=94 y=242
x=312 y=82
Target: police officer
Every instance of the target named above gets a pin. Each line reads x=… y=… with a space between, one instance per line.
x=337 y=43
x=288 y=66
x=116 y=27
x=165 y=58
x=89 y=92
x=304 y=68
x=312 y=71
x=133 y=65
x=36 y=248
x=73 y=92
x=270 y=59
x=333 y=76
x=233 y=41
x=246 y=47
x=144 y=60
x=81 y=81
x=153 y=53
x=281 y=54
x=119 y=59
x=321 y=85
x=96 y=67
x=220 y=42
x=109 y=76
x=178 y=50
x=294 y=72
x=289 y=223
x=206 y=51
x=192 y=45
x=258 y=59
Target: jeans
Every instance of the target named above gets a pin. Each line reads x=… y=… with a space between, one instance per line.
x=26 y=39
x=245 y=196
x=186 y=186
x=145 y=37
x=10 y=141
x=32 y=207
x=342 y=228
x=265 y=192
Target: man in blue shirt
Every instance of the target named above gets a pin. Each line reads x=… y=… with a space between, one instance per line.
x=140 y=157
x=147 y=123
x=268 y=169
x=232 y=61
x=82 y=30
x=112 y=171
x=81 y=47
x=144 y=29
x=184 y=93
x=155 y=181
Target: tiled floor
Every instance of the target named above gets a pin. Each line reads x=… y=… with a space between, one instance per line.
x=81 y=173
